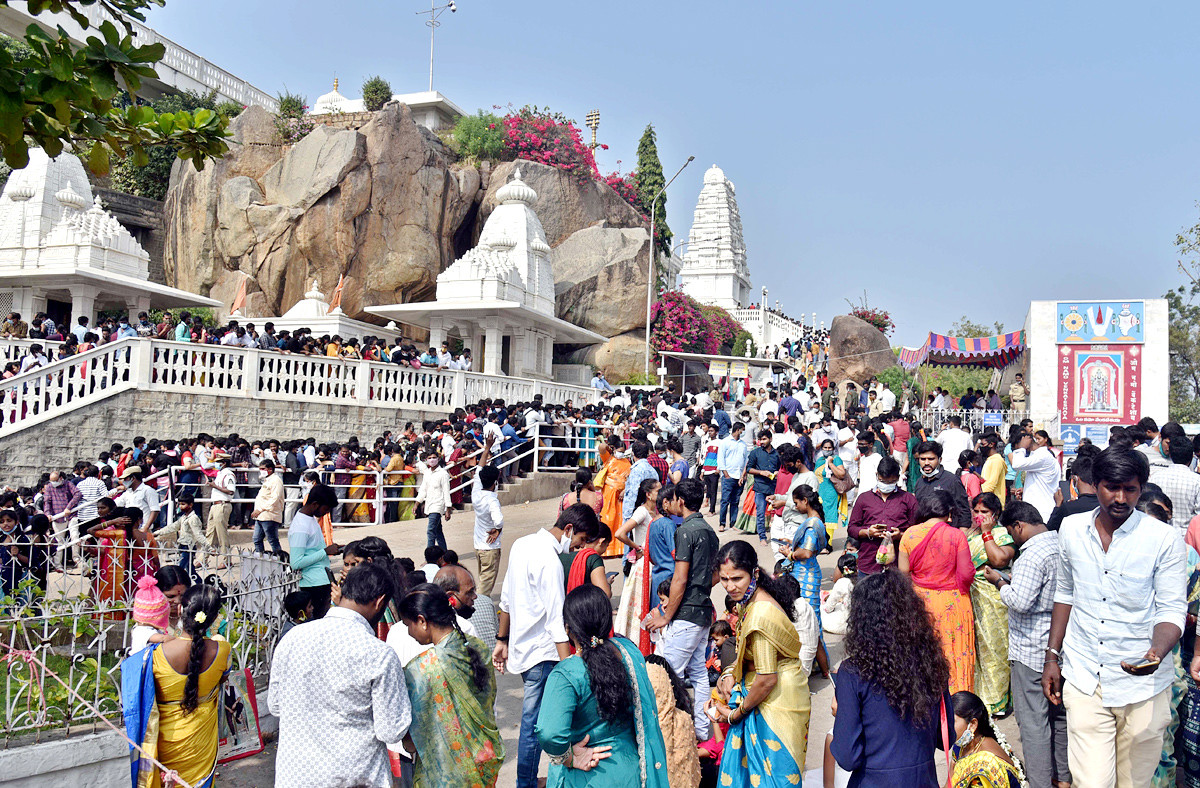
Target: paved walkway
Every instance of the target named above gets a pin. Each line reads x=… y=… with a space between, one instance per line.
x=408 y=539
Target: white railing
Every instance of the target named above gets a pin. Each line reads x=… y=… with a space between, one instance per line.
x=72 y=630
x=160 y=365
x=977 y=421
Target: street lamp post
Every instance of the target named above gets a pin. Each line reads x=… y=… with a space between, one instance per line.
x=434 y=12
x=654 y=258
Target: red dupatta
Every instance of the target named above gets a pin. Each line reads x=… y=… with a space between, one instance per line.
x=578 y=574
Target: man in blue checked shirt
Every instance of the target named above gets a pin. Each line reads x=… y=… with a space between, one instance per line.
x=1119 y=609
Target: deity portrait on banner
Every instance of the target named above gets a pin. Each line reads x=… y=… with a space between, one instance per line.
x=1098 y=384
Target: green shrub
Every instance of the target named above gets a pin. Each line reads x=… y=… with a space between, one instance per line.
x=376 y=91
x=292 y=105
x=479 y=137
x=230 y=109
x=741 y=341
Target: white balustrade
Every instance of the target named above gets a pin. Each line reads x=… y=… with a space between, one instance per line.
x=182 y=367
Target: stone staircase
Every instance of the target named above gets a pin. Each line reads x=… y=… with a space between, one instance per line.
x=535 y=486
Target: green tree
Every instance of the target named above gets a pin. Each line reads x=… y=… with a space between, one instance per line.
x=966 y=327
x=376 y=91
x=649 y=181
x=60 y=96
x=1183 y=331
x=152 y=179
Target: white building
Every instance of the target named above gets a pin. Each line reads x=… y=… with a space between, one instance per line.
x=313 y=312
x=499 y=297
x=429 y=107
x=714 y=266
x=62 y=253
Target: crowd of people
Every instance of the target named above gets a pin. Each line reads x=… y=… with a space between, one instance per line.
x=971 y=584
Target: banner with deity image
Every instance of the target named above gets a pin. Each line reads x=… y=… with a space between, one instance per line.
x=1110 y=322
x=1099 y=384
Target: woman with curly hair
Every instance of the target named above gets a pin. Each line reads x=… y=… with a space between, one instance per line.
x=599 y=716
x=893 y=709
x=769 y=704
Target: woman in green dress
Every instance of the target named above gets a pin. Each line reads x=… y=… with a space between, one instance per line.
x=452 y=687
x=990 y=545
x=828 y=466
x=915 y=438
x=599 y=716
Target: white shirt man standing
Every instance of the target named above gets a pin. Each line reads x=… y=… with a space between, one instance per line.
x=434 y=492
x=339 y=692
x=1032 y=455
x=954 y=442
x=532 y=639
x=489 y=519
x=1119 y=610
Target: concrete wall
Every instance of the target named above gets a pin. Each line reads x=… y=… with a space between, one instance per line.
x=96 y=760
x=83 y=433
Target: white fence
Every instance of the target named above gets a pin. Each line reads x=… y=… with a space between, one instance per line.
x=79 y=629
x=977 y=421
x=157 y=365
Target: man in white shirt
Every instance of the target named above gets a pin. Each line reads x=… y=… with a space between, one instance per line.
x=224 y=487
x=1032 y=455
x=868 y=462
x=489 y=519
x=1119 y=609
x=954 y=442
x=435 y=494
x=531 y=638
x=887 y=398
x=339 y=692
x=769 y=405
x=846 y=437
x=139 y=496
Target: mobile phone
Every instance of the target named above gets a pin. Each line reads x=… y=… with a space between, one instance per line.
x=1140 y=666
x=1005 y=576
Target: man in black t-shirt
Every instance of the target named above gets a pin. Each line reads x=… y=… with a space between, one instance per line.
x=689 y=612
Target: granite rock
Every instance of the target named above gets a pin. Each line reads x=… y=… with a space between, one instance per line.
x=857 y=350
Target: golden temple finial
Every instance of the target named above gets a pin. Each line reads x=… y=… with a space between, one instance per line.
x=335 y=84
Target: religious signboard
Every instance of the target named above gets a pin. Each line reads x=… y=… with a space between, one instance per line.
x=1107 y=322
x=739 y=369
x=718 y=369
x=1099 y=384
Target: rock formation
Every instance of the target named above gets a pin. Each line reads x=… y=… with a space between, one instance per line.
x=857 y=350
x=388 y=207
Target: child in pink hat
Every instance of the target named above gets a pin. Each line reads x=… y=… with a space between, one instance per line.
x=151 y=615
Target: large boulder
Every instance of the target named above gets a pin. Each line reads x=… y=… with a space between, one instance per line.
x=857 y=350
x=621 y=357
x=379 y=206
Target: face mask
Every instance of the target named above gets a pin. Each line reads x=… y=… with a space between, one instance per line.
x=262 y=474
x=564 y=543
x=826 y=452
x=56 y=484
x=305 y=486
x=930 y=473
x=963 y=741
x=886 y=489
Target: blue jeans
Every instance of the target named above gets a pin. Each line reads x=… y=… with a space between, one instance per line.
x=730 y=493
x=270 y=530
x=433 y=532
x=683 y=645
x=187 y=562
x=760 y=513
x=529 y=752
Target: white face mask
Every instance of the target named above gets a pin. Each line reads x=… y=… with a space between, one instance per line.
x=305 y=486
x=930 y=473
x=564 y=543
x=57 y=483
x=886 y=489
x=263 y=474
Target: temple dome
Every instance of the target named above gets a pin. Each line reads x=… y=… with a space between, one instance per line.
x=516 y=191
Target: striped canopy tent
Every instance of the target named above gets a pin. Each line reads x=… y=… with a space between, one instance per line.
x=994 y=352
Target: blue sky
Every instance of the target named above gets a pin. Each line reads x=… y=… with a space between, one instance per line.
x=948 y=158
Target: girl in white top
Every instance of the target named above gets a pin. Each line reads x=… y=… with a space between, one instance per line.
x=632 y=532
x=835 y=611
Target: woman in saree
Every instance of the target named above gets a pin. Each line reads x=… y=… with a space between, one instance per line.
x=587 y=439
x=613 y=475
x=990 y=545
x=675 y=722
x=583 y=490
x=935 y=555
x=829 y=466
x=767 y=687
x=143 y=549
x=188 y=672
x=452 y=687
x=456 y=466
x=803 y=508
x=112 y=532
x=599 y=716
x=982 y=759
x=915 y=438
x=636 y=595
x=407 y=506
x=362 y=487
